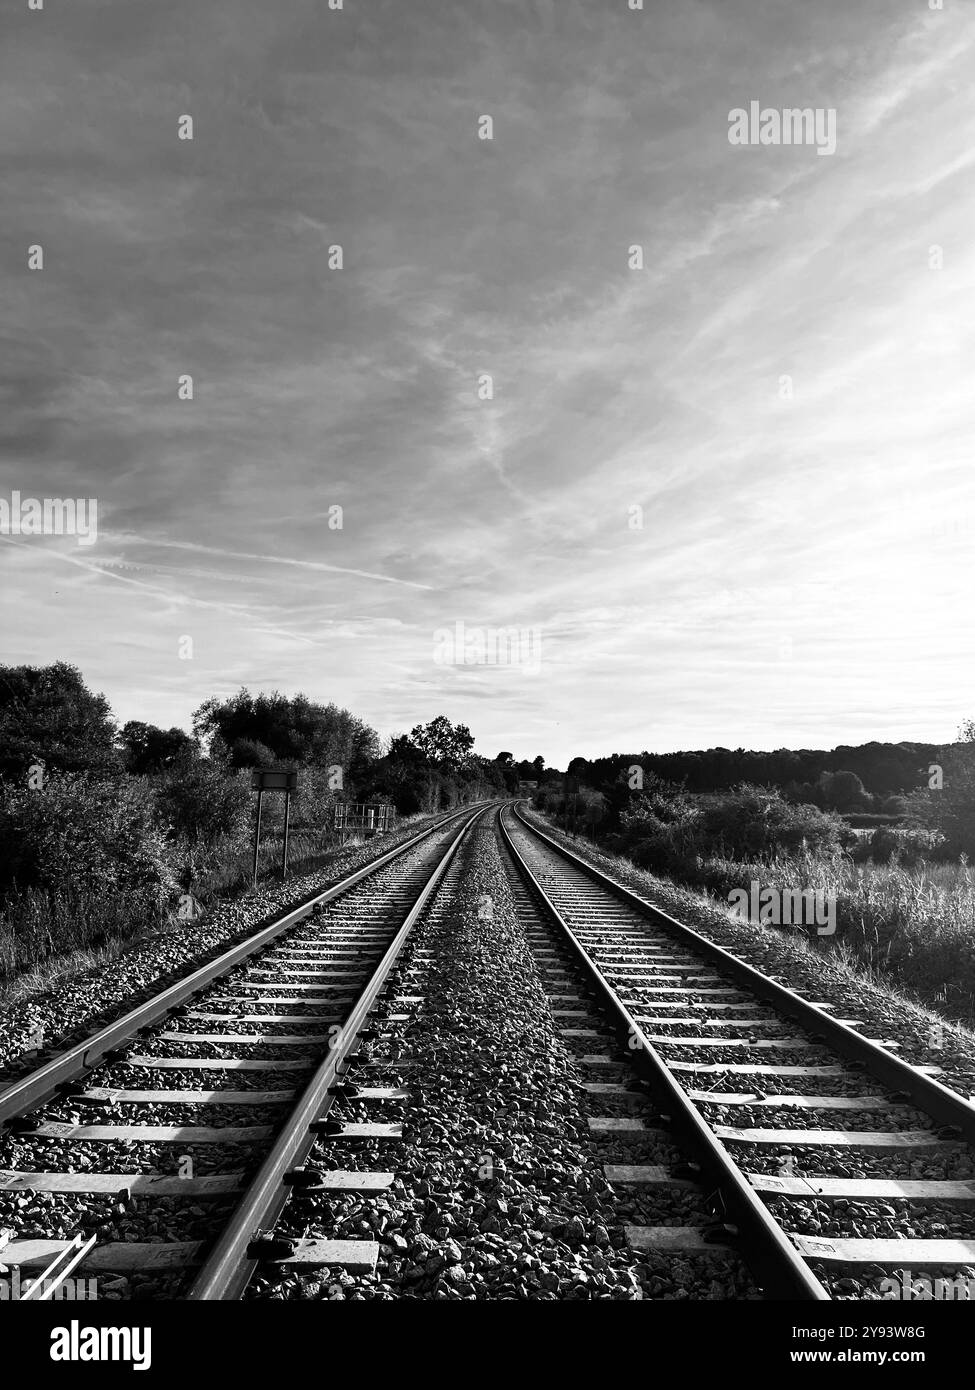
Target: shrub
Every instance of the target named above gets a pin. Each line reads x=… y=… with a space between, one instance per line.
x=203 y=804
x=660 y=830
x=206 y=811
x=83 y=834
x=756 y=822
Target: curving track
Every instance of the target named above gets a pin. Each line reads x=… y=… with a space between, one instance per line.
x=803 y=1132
x=168 y=1153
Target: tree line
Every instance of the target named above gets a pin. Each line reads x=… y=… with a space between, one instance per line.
x=104 y=828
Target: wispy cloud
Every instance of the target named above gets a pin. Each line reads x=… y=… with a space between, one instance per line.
x=316 y=565
x=784 y=388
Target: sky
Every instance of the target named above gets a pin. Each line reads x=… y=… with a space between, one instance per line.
x=691 y=419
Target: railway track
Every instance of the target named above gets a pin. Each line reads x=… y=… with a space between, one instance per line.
x=215 y=1133
x=165 y=1146
x=801 y=1133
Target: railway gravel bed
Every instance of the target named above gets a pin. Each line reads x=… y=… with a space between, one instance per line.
x=499 y=1192
x=665 y=1274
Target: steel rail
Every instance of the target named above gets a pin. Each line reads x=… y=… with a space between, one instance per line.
x=46 y=1284
x=942 y=1104
x=42 y=1083
x=228 y=1268
x=783 y=1271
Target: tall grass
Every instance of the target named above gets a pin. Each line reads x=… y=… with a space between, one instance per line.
x=904 y=909
x=39 y=927
x=913 y=925
x=232 y=868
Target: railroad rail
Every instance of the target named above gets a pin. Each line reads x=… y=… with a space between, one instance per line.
x=142 y=1115
x=286 y=1005
x=699 y=1026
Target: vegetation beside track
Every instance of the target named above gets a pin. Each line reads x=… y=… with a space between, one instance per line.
x=903 y=899
x=108 y=834
x=813 y=967
x=68 y=996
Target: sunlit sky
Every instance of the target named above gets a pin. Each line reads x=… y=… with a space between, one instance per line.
x=803 y=575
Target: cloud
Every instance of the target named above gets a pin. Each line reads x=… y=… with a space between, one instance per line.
x=821 y=518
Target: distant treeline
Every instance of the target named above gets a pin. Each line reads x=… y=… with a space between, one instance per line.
x=884 y=769
x=903 y=893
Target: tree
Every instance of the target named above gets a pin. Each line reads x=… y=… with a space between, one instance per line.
x=947 y=805
x=48 y=715
x=843 y=791
x=434 y=768
x=248 y=752
x=539 y=765
x=404 y=775
x=447 y=746
x=292 y=729
x=148 y=749
x=505 y=762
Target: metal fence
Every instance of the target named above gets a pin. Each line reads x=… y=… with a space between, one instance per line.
x=362 y=817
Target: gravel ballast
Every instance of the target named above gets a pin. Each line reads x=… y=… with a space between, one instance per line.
x=351 y=919
x=499 y=1191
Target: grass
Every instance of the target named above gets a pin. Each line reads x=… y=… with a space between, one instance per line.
x=60 y=970
x=307 y=851
x=915 y=926
x=37 y=926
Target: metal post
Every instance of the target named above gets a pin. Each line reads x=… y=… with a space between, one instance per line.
x=287 y=821
x=257 y=833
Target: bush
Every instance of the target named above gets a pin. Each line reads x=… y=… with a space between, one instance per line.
x=906 y=847
x=82 y=834
x=206 y=811
x=660 y=831
x=667 y=830
x=757 y=823
x=203 y=804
